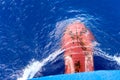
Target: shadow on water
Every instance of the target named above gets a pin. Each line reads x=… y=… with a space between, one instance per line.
x=38 y=66
x=103 y=60
x=46 y=67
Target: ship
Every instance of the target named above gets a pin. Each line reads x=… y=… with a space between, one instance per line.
x=77 y=42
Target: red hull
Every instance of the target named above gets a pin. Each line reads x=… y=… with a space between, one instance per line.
x=77 y=42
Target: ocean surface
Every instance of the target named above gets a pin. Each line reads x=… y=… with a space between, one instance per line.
x=31 y=31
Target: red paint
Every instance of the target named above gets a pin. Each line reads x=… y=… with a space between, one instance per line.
x=77 y=42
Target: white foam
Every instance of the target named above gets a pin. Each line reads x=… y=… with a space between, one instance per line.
x=36 y=66
x=99 y=52
x=117 y=59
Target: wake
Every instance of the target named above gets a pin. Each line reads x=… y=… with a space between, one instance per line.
x=36 y=66
x=99 y=52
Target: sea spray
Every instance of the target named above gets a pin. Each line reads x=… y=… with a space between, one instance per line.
x=36 y=66
x=99 y=52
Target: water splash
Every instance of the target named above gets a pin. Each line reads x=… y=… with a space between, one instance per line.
x=36 y=66
x=99 y=52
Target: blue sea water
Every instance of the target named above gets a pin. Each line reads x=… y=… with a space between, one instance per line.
x=31 y=31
